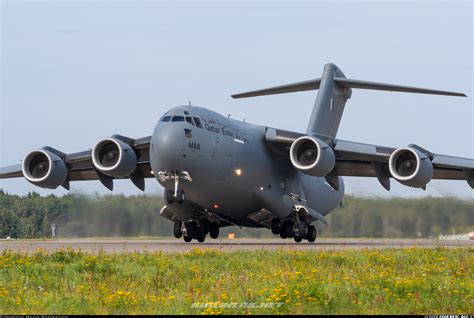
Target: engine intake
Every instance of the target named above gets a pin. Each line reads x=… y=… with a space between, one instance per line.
x=44 y=169
x=114 y=158
x=312 y=156
x=411 y=167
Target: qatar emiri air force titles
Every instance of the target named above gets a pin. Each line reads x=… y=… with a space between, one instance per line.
x=217 y=171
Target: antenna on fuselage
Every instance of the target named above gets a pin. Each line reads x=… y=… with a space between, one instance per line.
x=189 y=103
x=228 y=115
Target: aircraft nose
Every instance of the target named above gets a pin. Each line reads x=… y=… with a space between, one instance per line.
x=166 y=147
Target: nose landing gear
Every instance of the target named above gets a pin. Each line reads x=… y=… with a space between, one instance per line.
x=175 y=194
x=171 y=197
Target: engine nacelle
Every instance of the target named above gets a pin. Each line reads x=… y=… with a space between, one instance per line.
x=114 y=158
x=411 y=167
x=312 y=156
x=44 y=169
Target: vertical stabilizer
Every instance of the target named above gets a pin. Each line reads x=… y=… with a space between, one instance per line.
x=329 y=104
x=334 y=91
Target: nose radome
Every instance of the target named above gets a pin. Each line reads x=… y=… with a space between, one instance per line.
x=166 y=147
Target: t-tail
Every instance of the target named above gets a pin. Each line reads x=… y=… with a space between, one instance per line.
x=334 y=91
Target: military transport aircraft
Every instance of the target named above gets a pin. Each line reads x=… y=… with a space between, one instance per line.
x=218 y=172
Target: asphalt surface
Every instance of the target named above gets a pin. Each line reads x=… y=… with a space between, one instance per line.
x=178 y=245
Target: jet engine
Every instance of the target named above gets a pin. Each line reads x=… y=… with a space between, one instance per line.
x=44 y=169
x=312 y=156
x=411 y=167
x=114 y=158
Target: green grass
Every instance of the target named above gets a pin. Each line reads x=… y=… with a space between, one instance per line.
x=404 y=281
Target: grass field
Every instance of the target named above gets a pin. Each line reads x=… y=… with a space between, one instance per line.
x=402 y=281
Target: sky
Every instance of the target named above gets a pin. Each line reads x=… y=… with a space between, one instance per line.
x=77 y=71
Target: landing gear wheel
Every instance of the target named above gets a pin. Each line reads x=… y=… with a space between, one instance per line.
x=187 y=239
x=214 y=230
x=205 y=225
x=304 y=231
x=275 y=226
x=180 y=196
x=170 y=196
x=177 y=229
x=298 y=239
x=311 y=233
x=191 y=228
x=201 y=237
x=288 y=228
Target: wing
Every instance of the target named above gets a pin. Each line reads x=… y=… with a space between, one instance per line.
x=80 y=165
x=365 y=160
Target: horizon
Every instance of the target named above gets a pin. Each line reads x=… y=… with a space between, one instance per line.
x=158 y=195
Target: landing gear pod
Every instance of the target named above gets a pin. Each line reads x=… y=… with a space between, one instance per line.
x=411 y=167
x=44 y=169
x=114 y=158
x=312 y=156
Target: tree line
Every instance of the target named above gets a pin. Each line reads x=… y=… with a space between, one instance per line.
x=77 y=215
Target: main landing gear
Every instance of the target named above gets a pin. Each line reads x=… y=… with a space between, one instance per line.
x=196 y=229
x=294 y=228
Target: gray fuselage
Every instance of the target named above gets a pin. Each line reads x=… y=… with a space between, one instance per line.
x=235 y=171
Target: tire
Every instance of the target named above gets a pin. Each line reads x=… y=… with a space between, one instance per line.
x=191 y=228
x=170 y=196
x=311 y=233
x=276 y=226
x=201 y=237
x=214 y=230
x=298 y=239
x=205 y=225
x=288 y=228
x=282 y=235
x=180 y=196
x=304 y=231
x=187 y=239
x=177 y=229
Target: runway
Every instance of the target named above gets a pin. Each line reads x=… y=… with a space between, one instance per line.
x=177 y=245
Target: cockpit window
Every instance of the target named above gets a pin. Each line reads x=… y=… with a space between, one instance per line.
x=177 y=118
x=198 y=122
x=166 y=118
x=190 y=120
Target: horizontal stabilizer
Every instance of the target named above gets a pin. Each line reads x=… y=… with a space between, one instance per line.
x=346 y=83
x=289 y=88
